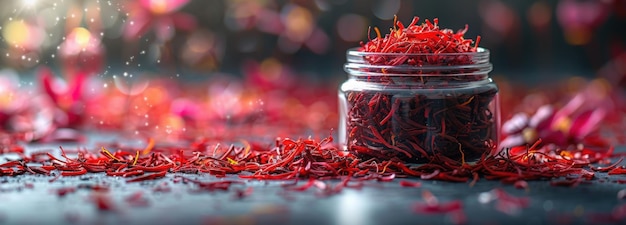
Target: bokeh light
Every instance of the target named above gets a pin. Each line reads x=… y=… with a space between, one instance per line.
x=352 y=27
x=183 y=63
x=540 y=15
x=22 y=34
x=579 y=19
x=385 y=10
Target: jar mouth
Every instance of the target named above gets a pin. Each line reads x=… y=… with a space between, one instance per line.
x=422 y=64
x=480 y=52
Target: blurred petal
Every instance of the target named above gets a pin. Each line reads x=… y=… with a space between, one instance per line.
x=581 y=14
x=515 y=124
x=541 y=119
x=572 y=106
x=47 y=79
x=77 y=86
x=512 y=141
x=4 y=117
x=163 y=6
x=185 y=108
x=549 y=136
x=586 y=123
x=184 y=21
x=63 y=135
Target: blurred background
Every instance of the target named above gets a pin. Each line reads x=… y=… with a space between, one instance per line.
x=540 y=39
x=245 y=60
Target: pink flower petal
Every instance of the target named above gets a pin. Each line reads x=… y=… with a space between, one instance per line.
x=516 y=124
x=542 y=118
x=186 y=108
x=586 y=123
x=77 y=85
x=557 y=137
x=572 y=106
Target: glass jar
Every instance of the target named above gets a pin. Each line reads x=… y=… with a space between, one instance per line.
x=419 y=107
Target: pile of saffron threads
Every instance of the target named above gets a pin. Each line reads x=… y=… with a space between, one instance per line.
x=427 y=116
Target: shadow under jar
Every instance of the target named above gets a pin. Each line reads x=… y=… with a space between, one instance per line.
x=419 y=107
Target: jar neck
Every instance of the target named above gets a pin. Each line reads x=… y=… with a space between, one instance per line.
x=419 y=69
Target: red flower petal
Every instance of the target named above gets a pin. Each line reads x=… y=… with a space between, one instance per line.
x=47 y=79
x=586 y=123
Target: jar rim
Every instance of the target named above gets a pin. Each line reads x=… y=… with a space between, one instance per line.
x=480 y=51
x=424 y=64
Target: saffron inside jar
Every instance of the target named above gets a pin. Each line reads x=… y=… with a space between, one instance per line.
x=427 y=98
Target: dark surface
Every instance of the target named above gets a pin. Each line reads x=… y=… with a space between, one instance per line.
x=375 y=203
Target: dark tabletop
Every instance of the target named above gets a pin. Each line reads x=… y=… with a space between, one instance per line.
x=32 y=199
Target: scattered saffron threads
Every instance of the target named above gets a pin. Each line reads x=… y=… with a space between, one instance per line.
x=521 y=184
x=55 y=178
x=617 y=171
x=431 y=205
x=135 y=159
x=387 y=178
x=431 y=175
x=223 y=185
x=10 y=147
x=315 y=161
x=406 y=183
x=61 y=192
x=152 y=176
x=608 y=168
x=303 y=187
x=149 y=147
x=80 y=171
x=108 y=154
x=94 y=187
